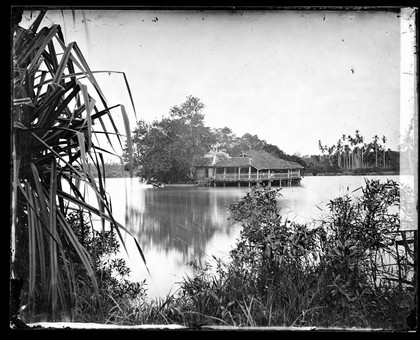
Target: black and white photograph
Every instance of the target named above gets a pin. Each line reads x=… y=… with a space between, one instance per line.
x=214 y=168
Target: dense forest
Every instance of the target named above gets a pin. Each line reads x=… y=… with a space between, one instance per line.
x=166 y=150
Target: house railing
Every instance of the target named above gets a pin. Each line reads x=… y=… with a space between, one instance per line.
x=259 y=176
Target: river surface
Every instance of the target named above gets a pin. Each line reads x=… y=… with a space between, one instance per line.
x=175 y=225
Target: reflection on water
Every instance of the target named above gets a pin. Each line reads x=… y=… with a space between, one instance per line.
x=178 y=224
x=181 y=218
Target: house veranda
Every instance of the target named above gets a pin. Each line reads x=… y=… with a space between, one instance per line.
x=250 y=168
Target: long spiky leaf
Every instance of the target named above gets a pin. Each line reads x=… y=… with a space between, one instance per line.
x=60 y=145
x=54 y=270
x=82 y=253
x=129 y=143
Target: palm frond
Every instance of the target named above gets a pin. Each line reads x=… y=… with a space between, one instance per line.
x=53 y=147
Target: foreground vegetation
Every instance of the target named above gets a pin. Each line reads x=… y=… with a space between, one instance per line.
x=56 y=103
x=336 y=273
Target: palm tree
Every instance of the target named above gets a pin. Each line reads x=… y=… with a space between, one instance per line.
x=346 y=148
x=339 y=148
x=330 y=153
x=362 y=145
x=351 y=148
x=347 y=159
x=359 y=149
x=53 y=143
x=322 y=148
x=384 y=141
x=375 y=147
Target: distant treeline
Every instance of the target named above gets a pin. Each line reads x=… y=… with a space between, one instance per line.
x=112 y=170
x=354 y=154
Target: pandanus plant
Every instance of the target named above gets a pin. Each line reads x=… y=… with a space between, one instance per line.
x=54 y=144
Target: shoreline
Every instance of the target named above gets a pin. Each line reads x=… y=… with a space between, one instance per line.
x=320 y=174
x=383 y=173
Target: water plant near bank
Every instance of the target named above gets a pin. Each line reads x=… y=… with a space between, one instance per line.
x=355 y=269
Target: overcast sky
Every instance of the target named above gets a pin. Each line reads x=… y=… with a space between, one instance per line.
x=291 y=77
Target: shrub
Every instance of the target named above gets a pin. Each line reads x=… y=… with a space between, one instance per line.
x=111 y=272
x=347 y=271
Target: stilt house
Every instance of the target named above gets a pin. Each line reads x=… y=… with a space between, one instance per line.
x=253 y=167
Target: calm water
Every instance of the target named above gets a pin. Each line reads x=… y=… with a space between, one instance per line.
x=175 y=225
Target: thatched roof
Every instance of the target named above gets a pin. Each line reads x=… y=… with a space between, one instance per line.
x=234 y=162
x=262 y=160
x=211 y=158
x=258 y=159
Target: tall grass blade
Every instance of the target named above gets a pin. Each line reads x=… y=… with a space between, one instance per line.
x=53 y=246
x=32 y=242
x=34 y=61
x=37 y=22
x=83 y=255
x=129 y=140
x=63 y=64
x=41 y=246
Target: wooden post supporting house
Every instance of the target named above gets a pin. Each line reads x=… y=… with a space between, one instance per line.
x=258 y=182
x=214 y=174
x=249 y=176
x=239 y=177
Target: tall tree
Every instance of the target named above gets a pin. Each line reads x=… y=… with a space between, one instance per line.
x=167 y=149
x=339 y=150
x=195 y=139
x=360 y=147
x=375 y=147
x=384 y=149
x=346 y=150
x=224 y=139
x=352 y=144
x=330 y=151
